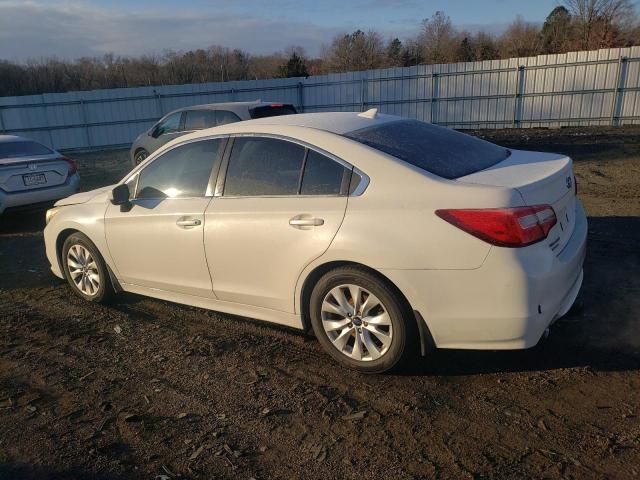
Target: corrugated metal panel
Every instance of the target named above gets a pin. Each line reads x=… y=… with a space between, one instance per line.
x=600 y=87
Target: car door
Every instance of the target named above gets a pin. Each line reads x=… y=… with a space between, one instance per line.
x=158 y=241
x=278 y=209
x=166 y=130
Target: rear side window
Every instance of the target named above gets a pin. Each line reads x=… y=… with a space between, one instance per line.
x=199 y=119
x=273 y=110
x=438 y=150
x=22 y=149
x=263 y=166
x=183 y=171
x=225 y=116
x=323 y=176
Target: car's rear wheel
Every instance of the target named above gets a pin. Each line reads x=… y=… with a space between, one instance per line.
x=85 y=270
x=140 y=157
x=360 y=320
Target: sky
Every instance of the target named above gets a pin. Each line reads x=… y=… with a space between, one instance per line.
x=69 y=29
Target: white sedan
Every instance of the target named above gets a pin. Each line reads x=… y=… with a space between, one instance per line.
x=384 y=235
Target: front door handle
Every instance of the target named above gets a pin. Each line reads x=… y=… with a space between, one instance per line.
x=188 y=222
x=306 y=222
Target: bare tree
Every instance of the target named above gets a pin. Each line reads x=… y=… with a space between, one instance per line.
x=521 y=39
x=355 y=51
x=438 y=39
x=578 y=24
x=596 y=21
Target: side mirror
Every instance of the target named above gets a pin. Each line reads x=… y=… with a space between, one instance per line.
x=120 y=195
x=155 y=133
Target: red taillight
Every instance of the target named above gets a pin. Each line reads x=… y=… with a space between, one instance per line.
x=505 y=227
x=277 y=105
x=73 y=166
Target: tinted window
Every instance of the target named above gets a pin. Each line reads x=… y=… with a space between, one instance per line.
x=169 y=124
x=224 y=116
x=322 y=176
x=181 y=172
x=199 y=119
x=22 y=149
x=263 y=166
x=438 y=150
x=272 y=110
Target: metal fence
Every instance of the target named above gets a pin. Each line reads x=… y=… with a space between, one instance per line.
x=600 y=87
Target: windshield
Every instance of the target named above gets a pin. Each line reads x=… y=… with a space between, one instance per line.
x=438 y=150
x=22 y=149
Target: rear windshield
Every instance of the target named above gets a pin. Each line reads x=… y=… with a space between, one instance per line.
x=438 y=150
x=22 y=149
x=272 y=110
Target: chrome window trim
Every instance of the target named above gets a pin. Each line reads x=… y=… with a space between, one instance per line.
x=362 y=185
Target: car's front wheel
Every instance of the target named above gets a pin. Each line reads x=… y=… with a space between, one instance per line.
x=140 y=156
x=360 y=320
x=85 y=270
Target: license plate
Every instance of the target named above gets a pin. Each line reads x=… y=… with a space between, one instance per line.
x=34 y=179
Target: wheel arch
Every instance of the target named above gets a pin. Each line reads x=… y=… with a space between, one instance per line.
x=426 y=339
x=66 y=233
x=60 y=239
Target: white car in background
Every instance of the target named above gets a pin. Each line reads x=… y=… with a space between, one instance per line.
x=198 y=117
x=32 y=174
x=373 y=230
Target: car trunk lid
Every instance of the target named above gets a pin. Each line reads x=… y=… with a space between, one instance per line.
x=19 y=174
x=540 y=178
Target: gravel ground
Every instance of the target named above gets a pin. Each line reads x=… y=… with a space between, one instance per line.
x=145 y=388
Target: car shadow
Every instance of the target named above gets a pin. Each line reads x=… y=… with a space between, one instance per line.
x=22 y=222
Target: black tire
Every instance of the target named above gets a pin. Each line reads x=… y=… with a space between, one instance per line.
x=104 y=291
x=403 y=345
x=139 y=157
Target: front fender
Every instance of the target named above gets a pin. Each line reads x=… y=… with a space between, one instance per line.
x=88 y=219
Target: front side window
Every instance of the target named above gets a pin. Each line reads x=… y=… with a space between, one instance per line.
x=263 y=166
x=438 y=150
x=323 y=176
x=169 y=124
x=199 y=119
x=183 y=171
x=225 y=116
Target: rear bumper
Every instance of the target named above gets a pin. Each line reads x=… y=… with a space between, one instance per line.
x=40 y=195
x=507 y=303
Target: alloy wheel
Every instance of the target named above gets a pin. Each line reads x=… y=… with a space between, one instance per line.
x=140 y=157
x=83 y=270
x=356 y=322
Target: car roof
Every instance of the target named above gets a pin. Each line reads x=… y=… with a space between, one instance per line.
x=334 y=122
x=226 y=105
x=12 y=138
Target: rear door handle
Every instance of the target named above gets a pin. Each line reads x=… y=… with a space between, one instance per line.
x=188 y=222
x=306 y=222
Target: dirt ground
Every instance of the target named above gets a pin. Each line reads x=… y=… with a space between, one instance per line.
x=147 y=389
